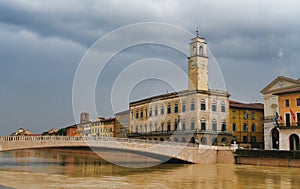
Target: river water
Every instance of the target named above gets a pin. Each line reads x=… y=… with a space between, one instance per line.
x=57 y=168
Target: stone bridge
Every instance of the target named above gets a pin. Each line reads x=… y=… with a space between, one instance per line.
x=187 y=152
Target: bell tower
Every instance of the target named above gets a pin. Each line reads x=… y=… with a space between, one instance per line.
x=198 y=64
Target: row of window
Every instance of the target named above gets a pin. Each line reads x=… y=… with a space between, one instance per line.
x=245 y=139
x=246 y=115
x=287 y=102
x=169 y=109
x=183 y=126
x=245 y=127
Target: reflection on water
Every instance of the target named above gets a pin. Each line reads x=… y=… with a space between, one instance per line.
x=54 y=168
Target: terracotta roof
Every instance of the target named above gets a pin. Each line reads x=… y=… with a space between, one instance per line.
x=236 y=104
x=292 y=90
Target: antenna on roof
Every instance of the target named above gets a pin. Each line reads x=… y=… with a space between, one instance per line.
x=197 y=32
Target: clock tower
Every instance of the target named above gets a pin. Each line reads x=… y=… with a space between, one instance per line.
x=198 y=64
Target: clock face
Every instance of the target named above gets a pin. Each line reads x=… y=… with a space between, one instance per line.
x=192 y=65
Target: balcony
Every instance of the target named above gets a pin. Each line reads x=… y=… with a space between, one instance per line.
x=168 y=133
x=289 y=126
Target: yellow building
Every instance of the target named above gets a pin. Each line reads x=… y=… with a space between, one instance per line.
x=197 y=114
x=246 y=123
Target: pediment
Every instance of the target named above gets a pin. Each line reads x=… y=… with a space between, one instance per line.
x=278 y=84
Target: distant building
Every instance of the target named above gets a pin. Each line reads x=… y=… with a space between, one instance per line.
x=275 y=95
x=51 y=132
x=122 y=122
x=197 y=114
x=72 y=131
x=246 y=121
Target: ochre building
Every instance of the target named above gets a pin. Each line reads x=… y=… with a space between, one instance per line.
x=246 y=123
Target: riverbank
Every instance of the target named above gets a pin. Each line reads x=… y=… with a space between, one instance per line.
x=277 y=158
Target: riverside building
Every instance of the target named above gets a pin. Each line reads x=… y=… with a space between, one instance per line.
x=196 y=114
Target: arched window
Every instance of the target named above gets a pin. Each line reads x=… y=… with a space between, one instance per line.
x=201 y=51
x=203 y=124
x=192 y=106
x=203 y=104
x=194 y=50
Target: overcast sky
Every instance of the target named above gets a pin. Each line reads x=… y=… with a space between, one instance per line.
x=42 y=43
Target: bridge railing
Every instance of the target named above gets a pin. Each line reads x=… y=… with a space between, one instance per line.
x=87 y=139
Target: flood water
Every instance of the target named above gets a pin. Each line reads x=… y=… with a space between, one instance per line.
x=63 y=168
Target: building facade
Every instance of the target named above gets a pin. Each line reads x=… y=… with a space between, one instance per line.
x=197 y=114
x=246 y=123
x=271 y=106
x=288 y=123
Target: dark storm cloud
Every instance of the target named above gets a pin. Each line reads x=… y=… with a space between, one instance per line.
x=42 y=42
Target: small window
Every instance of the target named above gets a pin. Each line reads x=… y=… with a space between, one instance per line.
x=150 y=112
x=142 y=113
x=169 y=109
x=245 y=127
x=287 y=103
x=162 y=127
x=233 y=114
x=137 y=115
x=234 y=127
x=214 y=126
x=203 y=105
x=203 y=125
x=253 y=128
x=169 y=127
x=183 y=108
x=245 y=115
x=245 y=138
x=162 y=110
x=192 y=108
x=193 y=125
x=252 y=115
x=150 y=128
x=253 y=139
x=176 y=108
x=224 y=126
x=175 y=124
x=223 y=107
x=183 y=125
x=156 y=111
x=214 y=107
x=298 y=101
